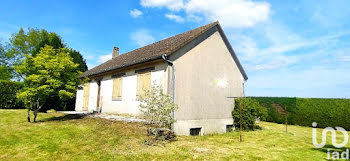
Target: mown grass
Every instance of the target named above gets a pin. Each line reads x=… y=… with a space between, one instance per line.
x=66 y=137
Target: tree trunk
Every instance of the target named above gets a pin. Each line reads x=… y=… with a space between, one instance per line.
x=28 y=115
x=35 y=111
x=35 y=114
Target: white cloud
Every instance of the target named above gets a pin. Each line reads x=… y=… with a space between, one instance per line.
x=170 y=4
x=236 y=13
x=135 y=13
x=343 y=55
x=231 y=13
x=175 y=17
x=275 y=46
x=104 y=58
x=142 y=37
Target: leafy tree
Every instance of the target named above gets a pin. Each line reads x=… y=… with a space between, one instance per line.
x=77 y=59
x=50 y=73
x=157 y=107
x=5 y=70
x=251 y=111
x=29 y=43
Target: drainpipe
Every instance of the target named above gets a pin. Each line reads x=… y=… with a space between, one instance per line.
x=172 y=81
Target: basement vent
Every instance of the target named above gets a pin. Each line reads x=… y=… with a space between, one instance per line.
x=229 y=128
x=195 y=131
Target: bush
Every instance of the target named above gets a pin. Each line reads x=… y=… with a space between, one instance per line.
x=304 y=111
x=157 y=107
x=8 y=91
x=251 y=111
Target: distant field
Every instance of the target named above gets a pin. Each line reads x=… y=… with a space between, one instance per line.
x=66 y=137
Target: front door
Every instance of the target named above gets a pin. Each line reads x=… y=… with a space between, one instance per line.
x=86 y=97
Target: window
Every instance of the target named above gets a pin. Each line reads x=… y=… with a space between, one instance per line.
x=143 y=83
x=195 y=131
x=117 y=88
x=229 y=128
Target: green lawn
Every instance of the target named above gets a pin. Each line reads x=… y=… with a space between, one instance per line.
x=64 y=137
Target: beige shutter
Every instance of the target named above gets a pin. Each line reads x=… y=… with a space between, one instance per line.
x=117 y=88
x=86 y=96
x=147 y=81
x=139 y=85
x=143 y=83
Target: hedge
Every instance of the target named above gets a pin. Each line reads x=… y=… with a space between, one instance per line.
x=8 y=99
x=276 y=108
x=304 y=111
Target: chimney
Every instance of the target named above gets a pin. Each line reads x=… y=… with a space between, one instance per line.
x=115 y=52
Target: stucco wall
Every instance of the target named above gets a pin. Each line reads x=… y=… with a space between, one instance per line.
x=128 y=104
x=206 y=79
x=79 y=100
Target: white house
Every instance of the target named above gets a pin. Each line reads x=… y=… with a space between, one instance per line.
x=198 y=68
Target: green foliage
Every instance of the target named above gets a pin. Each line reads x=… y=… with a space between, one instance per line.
x=304 y=111
x=251 y=111
x=326 y=112
x=276 y=108
x=50 y=74
x=77 y=59
x=157 y=107
x=30 y=43
x=5 y=70
x=8 y=91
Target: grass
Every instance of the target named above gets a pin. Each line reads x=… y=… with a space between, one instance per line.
x=68 y=137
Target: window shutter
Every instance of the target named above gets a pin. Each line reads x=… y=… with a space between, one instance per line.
x=147 y=81
x=86 y=96
x=143 y=83
x=117 y=88
x=139 y=85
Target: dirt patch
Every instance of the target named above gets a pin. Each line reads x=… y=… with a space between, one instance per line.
x=280 y=110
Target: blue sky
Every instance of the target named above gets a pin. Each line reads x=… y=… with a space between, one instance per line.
x=288 y=48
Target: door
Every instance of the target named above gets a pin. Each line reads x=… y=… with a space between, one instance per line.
x=86 y=96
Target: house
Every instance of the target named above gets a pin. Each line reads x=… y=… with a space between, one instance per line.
x=198 y=68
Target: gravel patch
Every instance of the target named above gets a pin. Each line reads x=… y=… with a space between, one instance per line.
x=118 y=118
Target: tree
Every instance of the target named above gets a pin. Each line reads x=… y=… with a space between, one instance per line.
x=77 y=59
x=30 y=42
x=5 y=70
x=50 y=73
x=157 y=107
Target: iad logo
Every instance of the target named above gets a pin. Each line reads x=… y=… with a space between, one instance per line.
x=335 y=154
x=334 y=136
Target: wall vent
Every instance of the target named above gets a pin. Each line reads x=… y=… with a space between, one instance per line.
x=229 y=128
x=195 y=131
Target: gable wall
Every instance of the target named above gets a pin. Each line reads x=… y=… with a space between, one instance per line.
x=202 y=101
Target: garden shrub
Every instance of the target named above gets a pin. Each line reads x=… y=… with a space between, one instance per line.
x=8 y=91
x=251 y=111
